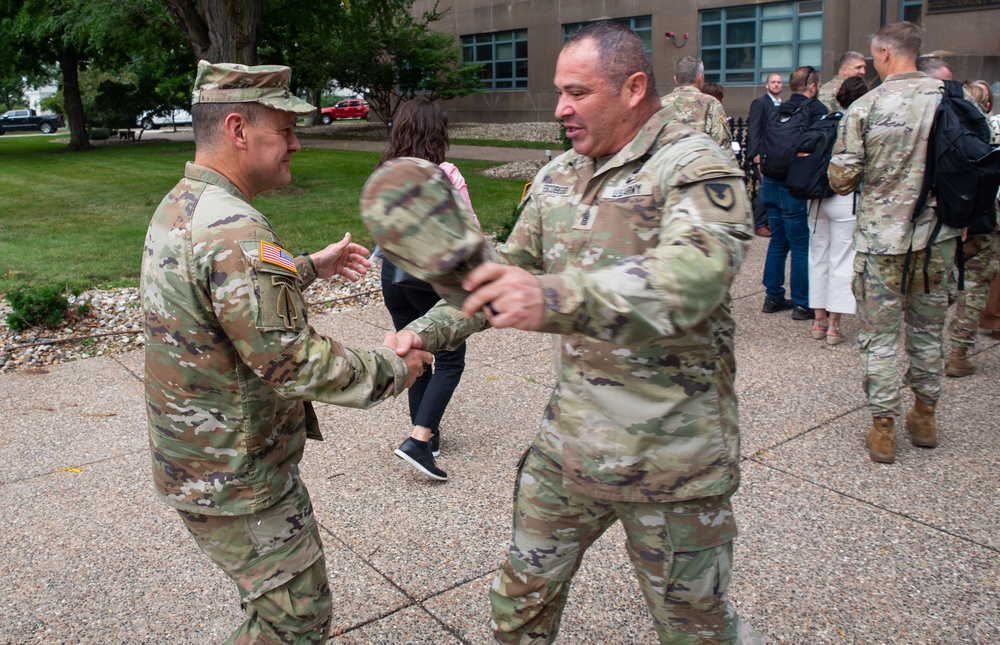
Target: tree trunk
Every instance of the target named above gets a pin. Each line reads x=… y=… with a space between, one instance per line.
x=220 y=31
x=76 y=120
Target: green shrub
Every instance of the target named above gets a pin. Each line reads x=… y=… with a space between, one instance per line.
x=36 y=306
x=99 y=134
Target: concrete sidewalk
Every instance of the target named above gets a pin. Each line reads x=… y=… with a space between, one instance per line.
x=833 y=549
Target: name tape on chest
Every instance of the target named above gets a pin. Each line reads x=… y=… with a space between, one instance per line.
x=555 y=189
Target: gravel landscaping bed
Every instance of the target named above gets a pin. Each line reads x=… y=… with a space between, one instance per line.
x=112 y=322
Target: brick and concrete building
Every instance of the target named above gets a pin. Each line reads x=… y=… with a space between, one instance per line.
x=741 y=44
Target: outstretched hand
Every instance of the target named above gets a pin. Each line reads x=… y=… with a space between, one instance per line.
x=343 y=258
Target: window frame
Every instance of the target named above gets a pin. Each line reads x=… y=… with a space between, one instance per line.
x=471 y=45
x=757 y=75
x=645 y=32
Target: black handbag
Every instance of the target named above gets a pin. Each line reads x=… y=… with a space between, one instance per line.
x=404 y=279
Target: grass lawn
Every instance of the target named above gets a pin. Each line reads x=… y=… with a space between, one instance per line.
x=79 y=219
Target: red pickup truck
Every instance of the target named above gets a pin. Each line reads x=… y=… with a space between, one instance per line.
x=347 y=109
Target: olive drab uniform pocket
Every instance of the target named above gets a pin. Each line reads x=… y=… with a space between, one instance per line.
x=274 y=287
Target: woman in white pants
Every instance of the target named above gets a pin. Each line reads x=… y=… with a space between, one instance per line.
x=831 y=253
x=831 y=264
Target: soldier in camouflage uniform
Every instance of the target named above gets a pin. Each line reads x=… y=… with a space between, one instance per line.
x=626 y=247
x=689 y=105
x=851 y=64
x=231 y=360
x=881 y=150
x=979 y=250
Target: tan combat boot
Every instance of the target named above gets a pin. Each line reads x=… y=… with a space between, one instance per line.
x=920 y=423
x=882 y=440
x=959 y=364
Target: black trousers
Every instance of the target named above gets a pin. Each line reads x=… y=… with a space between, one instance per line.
x=430 y=395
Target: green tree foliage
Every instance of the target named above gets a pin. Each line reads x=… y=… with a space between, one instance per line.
x=380 y=49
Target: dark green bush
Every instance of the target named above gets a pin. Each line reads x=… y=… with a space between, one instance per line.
x=36 y=306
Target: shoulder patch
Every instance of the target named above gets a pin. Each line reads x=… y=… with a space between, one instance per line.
x=722 y=195
x=274 y=254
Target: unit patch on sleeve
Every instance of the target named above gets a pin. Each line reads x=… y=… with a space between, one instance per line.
x=722 y=195
x=274 y=254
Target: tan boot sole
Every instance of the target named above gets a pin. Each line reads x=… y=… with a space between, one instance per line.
x=881 y=458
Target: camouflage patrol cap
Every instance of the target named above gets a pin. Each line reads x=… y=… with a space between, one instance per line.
x=423 y=225
x=231 y=83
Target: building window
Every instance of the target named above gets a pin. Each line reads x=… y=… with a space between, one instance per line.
x=743 y=45
x=911 y=10
x=641 y=25
x=504 y=56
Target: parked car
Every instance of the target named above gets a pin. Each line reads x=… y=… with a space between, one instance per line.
x=347 y=109
x=152 y=121
x=30 y=120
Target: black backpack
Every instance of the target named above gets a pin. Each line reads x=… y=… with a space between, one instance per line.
x=963 y=172
x=782 y=128
x=807 y=178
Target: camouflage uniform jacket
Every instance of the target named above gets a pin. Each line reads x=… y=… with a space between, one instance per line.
x=881 y=150
x=702 y=112
x=636 y=260
x=230 y=357
x=828 y=93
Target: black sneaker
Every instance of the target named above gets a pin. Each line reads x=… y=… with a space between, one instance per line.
x=774 y=305
x=436 y=443
x=420 y=458
x=802 y=313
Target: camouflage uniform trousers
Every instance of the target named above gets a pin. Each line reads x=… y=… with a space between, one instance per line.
x=275 y=557
x=682 y=554
x=981 y=267
x=882 y=313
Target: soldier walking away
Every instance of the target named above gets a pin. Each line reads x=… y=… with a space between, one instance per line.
x=231 y=361
x=626 y=246
x=851 y=64
x=689 y=105
x=980 y=249
x=883 y=139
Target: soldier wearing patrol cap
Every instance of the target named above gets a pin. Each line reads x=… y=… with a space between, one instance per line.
x=232 y=363
x=626 y=247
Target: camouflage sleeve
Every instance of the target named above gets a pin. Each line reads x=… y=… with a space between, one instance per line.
x=677 y=284
x=306 y=269
x=847 y=160
x=718 y=128
x=445 y=328
x=260 y=308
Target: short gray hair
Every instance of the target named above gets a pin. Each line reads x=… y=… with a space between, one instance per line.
x=930 y=65
x=688 y=69
x=901 y=38
x=207 y=119
x=848 y=57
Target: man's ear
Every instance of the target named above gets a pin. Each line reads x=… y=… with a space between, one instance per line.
x=635 y=88
x=235 y=130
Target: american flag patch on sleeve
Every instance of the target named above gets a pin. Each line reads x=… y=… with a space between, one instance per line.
x=274 y=254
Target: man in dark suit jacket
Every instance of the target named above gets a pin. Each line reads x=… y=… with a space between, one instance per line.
x=755 y=130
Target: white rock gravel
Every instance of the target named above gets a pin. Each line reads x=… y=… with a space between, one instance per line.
x=111 y=322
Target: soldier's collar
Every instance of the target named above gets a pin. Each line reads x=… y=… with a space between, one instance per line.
x=214 y=177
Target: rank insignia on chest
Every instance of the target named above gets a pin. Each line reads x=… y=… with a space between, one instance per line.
x=274 y=254
x=585 y=215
